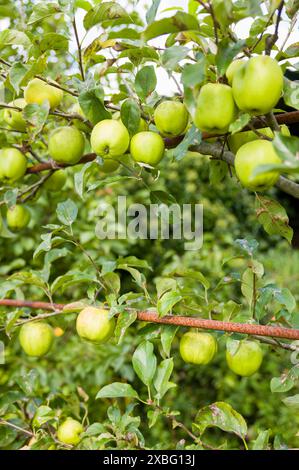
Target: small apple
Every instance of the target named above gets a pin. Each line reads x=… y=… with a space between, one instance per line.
x=56 y=181
x=171 y=118
x=69 y=431
x=109 y=165
x=13 y=165
x=215 y=108
x=18 y=217
x=13 y=117
x=109 y=138
x=198 y=348
x=95 y=325
x=36 y=338
x=143 y=126
x=252 y=155
x=38 y=91
x=232 y=69
x=66 y=145
x=246 y=359
x=147 y=147
x=257 y=85
x=236 y=141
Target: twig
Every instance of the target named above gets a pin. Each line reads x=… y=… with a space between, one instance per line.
x=79 y=50
x=17 y=428
x=271 y=40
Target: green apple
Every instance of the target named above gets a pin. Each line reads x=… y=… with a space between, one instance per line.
x=109 y=138
x=171 y=118
x=198 y=348
x=69 y=431
x=109 y=165
x=66 y=145
x=257 y=85
x=147 y=147
x=94 y=324
x=236 y=141
x=143 y=125
x=38 y=91
x=246 y=359
x=36 y=338
x=56 y=181
x=18 y=217
x=13 y=165
x=215 y=108
x=13 y=117
x=232 y=69
x=252 y=155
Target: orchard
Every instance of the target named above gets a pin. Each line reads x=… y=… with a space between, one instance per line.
x=123 y=342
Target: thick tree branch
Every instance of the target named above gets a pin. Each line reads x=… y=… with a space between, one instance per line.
x=191 y=322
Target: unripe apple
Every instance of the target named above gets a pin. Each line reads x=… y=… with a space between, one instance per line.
x=232 y=69
x=109 y=165
x=236 y=141
x=147 y=147
x=14 y=117
x=56 y=181
x=143 y=126
x=94 y=324
x=257 y=85
x=109 y=138
x=252 y=155
x=13 y=164
x=66 y=145
x=247 y=358
x=38 y=91
x=198 y=348
x=215 y=108
x=69 y=431
x=171 y=118
x=18 y=217
x=36 y=338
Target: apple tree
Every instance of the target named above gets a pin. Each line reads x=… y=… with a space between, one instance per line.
x=162 y=104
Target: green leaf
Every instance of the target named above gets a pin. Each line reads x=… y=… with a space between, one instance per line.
x=145 y=81
x=291 y=93
x=287 y=147
x=28 y=278
x=292 y=402
x=217 y=171
x=36 y=115
x=173 y=55
x=117 y=390
x=168 y=333
x=53 y=41
x=181 y=21
x=262 y=441
x=145 y=362
x=130 y=115
x=103 y=11
x=80 y=178
x=16 y=74
x=273 y=217
x=67 y=212
x=92 y=104
x=281 y=384
x=241 y=121
x=222 y=416
x=12 y=37
x=161 y=380
x=192 y=137
x=152 y=11
x=42 y=415
x=124 y=320
x=71 y=278
x=43 y=10
x=226 y=52
x=167 y=302
x=194 y=74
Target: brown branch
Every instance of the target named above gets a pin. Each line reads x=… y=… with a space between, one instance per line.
x=79 y=50
x=271 y=40
x=191 y=322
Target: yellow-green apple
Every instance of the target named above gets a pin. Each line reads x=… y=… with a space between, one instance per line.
x=235 y=141
x=18 y=217
x=94 y=324
x=110 y=138
x=56 y=181
x=198 y=348
x=257 y=85
x=36 y=338
x=13 y=164
x=38 y=91
x=13 y=117
x=171 y=118
x=147 y=147
x=215 y=108
x=69 y=431
x=252 y=155
x=66 y=145
x=232 y=68
x=246 y=359
x=109 y=165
